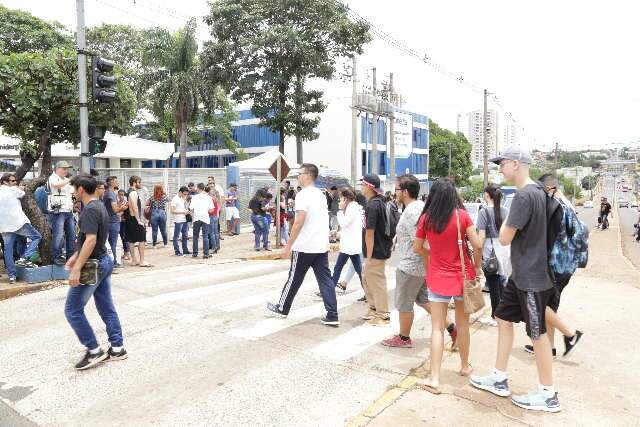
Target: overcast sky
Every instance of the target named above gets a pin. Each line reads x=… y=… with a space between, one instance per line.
x=567 y=70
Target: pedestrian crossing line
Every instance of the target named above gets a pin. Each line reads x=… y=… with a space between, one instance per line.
x=358 y=339
x=270 y=326
x=201 y=291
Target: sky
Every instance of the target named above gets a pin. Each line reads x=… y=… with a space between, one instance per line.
x=567 y=71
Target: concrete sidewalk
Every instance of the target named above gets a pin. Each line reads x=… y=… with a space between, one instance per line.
x=597 y=383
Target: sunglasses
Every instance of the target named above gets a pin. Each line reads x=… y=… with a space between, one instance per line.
x=12 y=180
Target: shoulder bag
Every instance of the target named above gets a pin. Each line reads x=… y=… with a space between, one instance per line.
x=491 y=265
x=471 y=289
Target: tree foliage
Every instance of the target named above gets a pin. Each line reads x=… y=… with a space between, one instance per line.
x=22 y=32
x=266 y=51
x=439 y=141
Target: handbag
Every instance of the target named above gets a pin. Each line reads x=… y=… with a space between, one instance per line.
x=147 y=211
x=491 y=265
x=471 y=289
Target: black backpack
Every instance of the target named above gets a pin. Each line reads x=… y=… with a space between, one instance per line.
x=392 y=216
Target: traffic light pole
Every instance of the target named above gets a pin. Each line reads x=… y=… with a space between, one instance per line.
x=82 y=89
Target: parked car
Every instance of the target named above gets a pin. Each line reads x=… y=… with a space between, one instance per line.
x=622 y=203
x=588 y=204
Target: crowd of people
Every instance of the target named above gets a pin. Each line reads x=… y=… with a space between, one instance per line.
x=438 y=245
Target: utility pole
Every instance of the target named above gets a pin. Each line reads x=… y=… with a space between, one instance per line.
x=374 y=130
x=458 y=124
x=392 y=141
x=82 y=89
x=449 y=159
x=556 y=154
x=485 y=143
x=354 y=126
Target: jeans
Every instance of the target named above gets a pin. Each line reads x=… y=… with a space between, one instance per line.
x=260 y=229
x=214 y=233
x=180 y=227
x=495 y=283
x=114 y=232
x=284 y=232
x=342 y=260
x=123 y=238
x=158 y=220
x=351 y=271
x=77 y=299
x=197 y=226
x=63 y=226
x=26 y=231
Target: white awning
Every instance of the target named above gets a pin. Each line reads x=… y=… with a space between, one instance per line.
x=264 y=161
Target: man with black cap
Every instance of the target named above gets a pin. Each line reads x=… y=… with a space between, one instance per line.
x=377 y=250
x=530 y=289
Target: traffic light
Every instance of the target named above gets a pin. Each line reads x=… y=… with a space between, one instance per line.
x=101 y=81
x=97 y=143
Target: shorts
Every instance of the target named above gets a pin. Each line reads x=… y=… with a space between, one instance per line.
x=529 y=307
x=134 y=232
x=433 y=297
x=409 y=290
x=232 y=213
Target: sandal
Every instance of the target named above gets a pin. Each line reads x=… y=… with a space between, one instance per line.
x=342 y=286
x=429 y=387
x=466 y=372
x=146 y=265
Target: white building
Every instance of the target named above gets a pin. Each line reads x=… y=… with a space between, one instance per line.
x=509 y=132
x=476 y=136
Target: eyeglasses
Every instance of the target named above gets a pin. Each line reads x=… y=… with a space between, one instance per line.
x=12 y=180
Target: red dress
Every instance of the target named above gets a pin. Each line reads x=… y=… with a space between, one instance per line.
x=444 y=274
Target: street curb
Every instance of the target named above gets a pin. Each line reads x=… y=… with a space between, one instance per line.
x=6 y=293
x=268 y=257
x=395 y=392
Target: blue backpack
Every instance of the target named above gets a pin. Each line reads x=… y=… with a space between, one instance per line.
x=571 y=245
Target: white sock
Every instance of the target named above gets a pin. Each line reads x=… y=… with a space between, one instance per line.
x=547 y=390
x=116 y=349
x=95 y=350
x=498 y=375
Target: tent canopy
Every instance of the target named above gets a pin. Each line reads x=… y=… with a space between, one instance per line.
x=264 y=161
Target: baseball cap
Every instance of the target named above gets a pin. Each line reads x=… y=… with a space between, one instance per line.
x=513 y=152
x=372 y=181
x=63 y=164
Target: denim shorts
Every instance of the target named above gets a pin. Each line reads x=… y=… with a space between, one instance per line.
x=433 y=297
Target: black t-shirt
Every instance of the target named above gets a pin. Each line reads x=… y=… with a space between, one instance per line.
x=528 y=214
x=605 y=208
x=375 y=214
x=94 y=219
x=256 y=206
x=110 y=197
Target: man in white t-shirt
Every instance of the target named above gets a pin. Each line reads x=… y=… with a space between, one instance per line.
x=200 y=206
x=60 y=205
x=179 y=211
x=308 y=247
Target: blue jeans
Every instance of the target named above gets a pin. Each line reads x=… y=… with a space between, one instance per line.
x=123 y=238
x=214 y=233
x=158 y=220
x=197 y=226
x=351 y=271
x=180 y=227
x=77 y=299
x=26 y=231
x=341 y=261
x=114 y=232
x=260 y=229
x=63 y=226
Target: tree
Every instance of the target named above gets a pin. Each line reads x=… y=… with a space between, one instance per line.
x=439 y=141
x=181 y=95
x=22 y=32
x=266 y=51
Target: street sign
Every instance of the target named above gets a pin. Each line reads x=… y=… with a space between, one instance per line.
x=284 y=169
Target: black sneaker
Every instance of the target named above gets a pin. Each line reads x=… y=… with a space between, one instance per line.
x=194 y=255
x=330 y=322
x=90 y=360
x=274 y=310
x=267 y=249
x=112 y=356
x=363 y=299
x=60 y=261
x=529 y=349
x=570 y=342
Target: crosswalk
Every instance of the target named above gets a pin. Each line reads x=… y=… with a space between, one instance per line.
x=239 y=308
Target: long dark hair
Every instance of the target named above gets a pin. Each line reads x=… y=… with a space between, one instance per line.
x=496 y=195
x=443 y=199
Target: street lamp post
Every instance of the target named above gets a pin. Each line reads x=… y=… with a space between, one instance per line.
x=449 y=159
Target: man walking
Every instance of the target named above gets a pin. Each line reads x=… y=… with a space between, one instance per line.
x=333 y=209
x=94 y=228
x=135 y=231
x=63 y=225
x=231 y=209
x=110 y=200
x=308 y=246
x=530 y=289
x=410 y=273
x=605 y=210
x=15 y=223
x=200 y=206
x=377 y=250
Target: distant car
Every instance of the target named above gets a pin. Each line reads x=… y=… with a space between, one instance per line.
x=473 y=209
x=588 y=204
x=623 y=203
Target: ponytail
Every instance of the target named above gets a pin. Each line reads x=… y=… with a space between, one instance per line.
x=496 y=196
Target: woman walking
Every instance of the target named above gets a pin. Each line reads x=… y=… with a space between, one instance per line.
x=494 y=255
x=158 y=204
x=443 y=219
x=350 y=219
